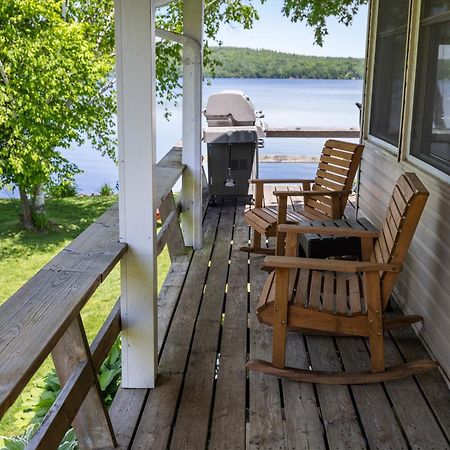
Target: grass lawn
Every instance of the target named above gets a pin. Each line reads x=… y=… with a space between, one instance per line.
x=23 y=253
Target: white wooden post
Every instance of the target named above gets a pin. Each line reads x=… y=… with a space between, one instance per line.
x=192 y=123
x=135 y=50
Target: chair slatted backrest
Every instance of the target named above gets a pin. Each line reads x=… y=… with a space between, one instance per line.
x=337 y=168
x=403 y=215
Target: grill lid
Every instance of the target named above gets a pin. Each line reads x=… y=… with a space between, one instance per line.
x=229 y=108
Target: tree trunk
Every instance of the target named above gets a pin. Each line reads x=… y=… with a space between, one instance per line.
x=26 y=210
x=39 y=199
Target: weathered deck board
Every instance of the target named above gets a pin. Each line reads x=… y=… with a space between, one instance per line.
x=340 y=418
x=413 y=412
x=266 y=430
x=230 y=395
x=125 y=412
x=193 y=408
x=304 y=427
x=431 y=383
x=377 y=416
x=169 y=294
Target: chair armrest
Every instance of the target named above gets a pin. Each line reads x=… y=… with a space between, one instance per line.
x=310 y=193
x=292 y=262
x=278 y=180
x=330 y=231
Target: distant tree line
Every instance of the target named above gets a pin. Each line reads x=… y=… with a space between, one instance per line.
x=249 y=63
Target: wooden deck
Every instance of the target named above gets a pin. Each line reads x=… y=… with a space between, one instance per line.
x=206 y=399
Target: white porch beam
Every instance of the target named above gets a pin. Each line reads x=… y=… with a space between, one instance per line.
x=135 y=50
x=192 y=123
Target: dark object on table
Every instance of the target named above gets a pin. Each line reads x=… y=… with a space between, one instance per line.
x=324 y=246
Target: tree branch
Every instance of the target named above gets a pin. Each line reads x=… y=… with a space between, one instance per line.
x=4 y=74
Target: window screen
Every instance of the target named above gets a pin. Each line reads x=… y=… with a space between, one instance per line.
x=430 y=134
x=389 y=70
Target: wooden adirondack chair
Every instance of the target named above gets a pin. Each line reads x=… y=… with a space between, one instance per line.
x=325 y=197
x=343 y=297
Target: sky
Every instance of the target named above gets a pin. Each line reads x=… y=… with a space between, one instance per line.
x=275 y=32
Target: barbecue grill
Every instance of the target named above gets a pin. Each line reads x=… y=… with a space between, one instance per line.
x=233 y=135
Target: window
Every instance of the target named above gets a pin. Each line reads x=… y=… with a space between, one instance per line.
x=430 y=133
x=389 y=70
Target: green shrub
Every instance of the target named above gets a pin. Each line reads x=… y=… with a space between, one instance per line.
x=66 y=188
x=38 y=400
x=40 y=221
x=110 y=373
x=106 y=190
x=69 y=441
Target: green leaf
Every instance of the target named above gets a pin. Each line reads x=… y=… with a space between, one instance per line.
x=107 y=377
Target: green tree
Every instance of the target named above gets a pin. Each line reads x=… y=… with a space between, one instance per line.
x=56 y=58
x=316 y=12
x=53 y=72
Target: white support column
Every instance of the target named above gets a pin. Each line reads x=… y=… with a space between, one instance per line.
x=135 y=50
x=192 y=123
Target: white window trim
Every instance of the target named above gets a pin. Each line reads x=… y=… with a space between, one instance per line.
x=412 y=54
x=370 y=61
x=383 y=145
x=427 y=168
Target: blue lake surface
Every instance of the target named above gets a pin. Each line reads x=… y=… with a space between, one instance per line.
x=285 y=102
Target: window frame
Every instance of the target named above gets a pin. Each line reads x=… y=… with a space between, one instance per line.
x=410 y=89
x=402 y=153
x=372 y=48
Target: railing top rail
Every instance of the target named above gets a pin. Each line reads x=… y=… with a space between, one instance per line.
x=312 y=132
x=37 y=315
x=168 y=170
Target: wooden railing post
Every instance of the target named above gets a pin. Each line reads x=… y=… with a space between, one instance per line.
x=92 y=425
x=168 y=212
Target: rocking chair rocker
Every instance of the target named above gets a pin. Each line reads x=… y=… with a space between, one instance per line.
x=346 y=298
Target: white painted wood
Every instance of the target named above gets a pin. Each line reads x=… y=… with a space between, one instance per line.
x=414 y=25
x=192 y=123
x=370 y=63
x=135 y=49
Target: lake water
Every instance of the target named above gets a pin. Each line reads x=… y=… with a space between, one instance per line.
x=320 y=103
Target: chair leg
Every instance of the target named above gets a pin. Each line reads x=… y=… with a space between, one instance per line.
x=376 y=342
x=256 y=246
x=256 y=240
x=280 y=317
x=280 y=237
x=375 y=321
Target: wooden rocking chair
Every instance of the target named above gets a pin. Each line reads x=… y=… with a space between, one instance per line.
x=347 y=298
x=325 y=197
